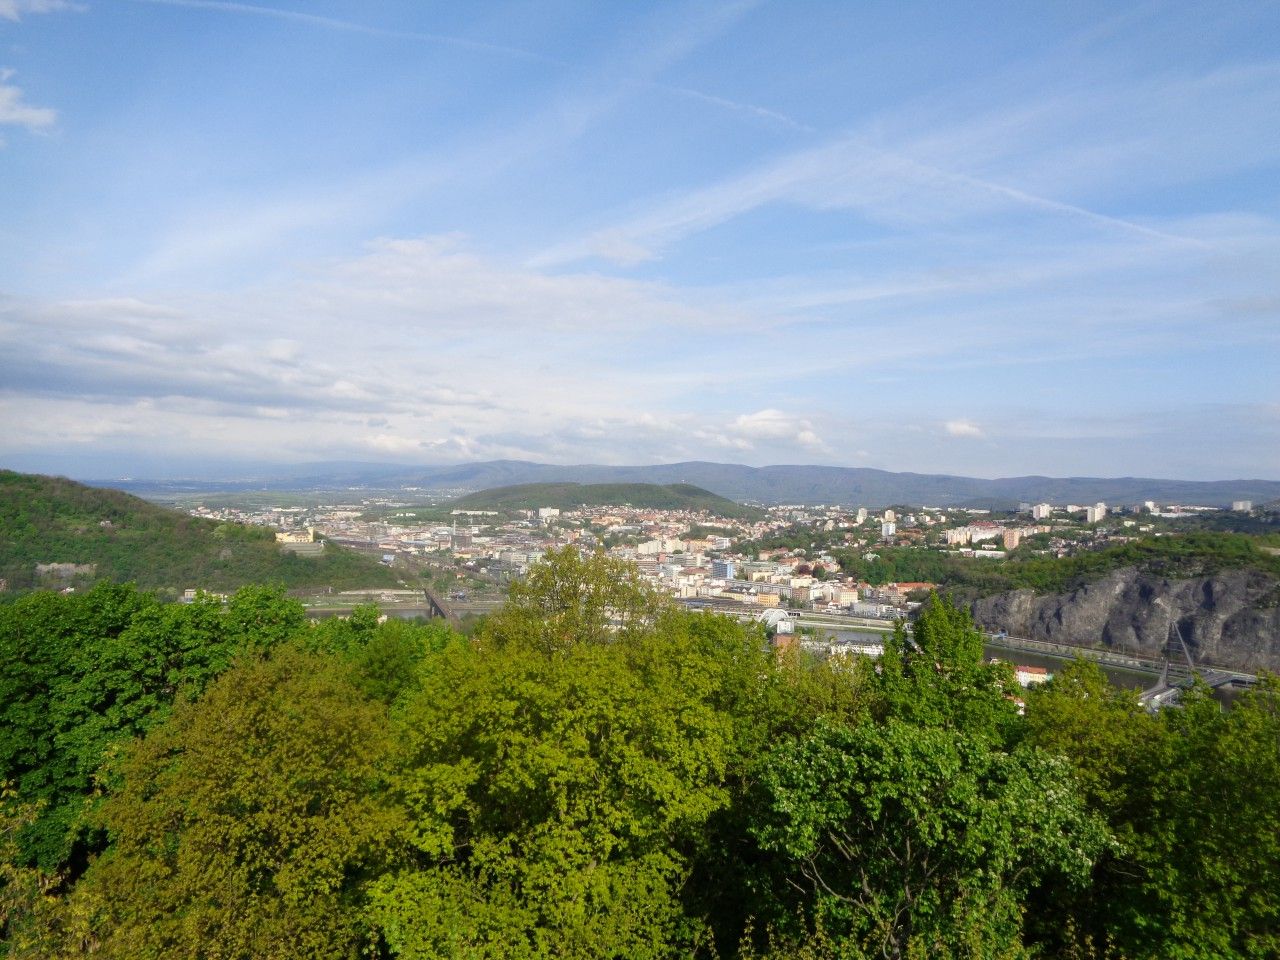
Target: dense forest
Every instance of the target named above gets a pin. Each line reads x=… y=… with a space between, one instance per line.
x=597 y=774
x=121 y=538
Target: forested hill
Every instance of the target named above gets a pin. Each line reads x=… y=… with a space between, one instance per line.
x=1181 y=557
x=52 y=520
x=567 y=496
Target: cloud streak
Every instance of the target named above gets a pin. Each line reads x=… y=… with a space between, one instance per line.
x=15 y=10
x=920 y=176
x=350 y=26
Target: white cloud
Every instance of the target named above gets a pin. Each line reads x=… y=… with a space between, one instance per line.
x=14 y=10
x=423 y=350
x=14 y=111
x=775 y=425
x=963 y=428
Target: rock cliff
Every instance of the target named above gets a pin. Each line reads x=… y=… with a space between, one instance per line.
x=1231 y=619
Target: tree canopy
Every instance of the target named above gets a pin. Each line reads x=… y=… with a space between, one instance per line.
x=597 y=773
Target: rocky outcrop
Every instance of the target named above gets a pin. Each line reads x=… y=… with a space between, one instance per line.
x=1230 y=620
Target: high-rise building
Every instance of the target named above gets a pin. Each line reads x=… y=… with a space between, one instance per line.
x=1095 y=513
x=1242 y=505
x=1041 y=511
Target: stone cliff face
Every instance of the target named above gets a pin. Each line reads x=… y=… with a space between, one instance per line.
x=1229 y=620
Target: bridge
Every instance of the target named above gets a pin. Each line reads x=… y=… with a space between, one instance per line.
x=425 y=604
x=438 y=609
x=1174 y=677
x=452 y=611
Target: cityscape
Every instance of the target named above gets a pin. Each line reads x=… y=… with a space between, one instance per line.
x=683 y=480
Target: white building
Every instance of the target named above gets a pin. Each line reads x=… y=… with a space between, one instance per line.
x=1041 y=511
x=1095 y=513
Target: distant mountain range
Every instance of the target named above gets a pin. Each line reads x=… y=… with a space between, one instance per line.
x=567 y=496
x=853 y=486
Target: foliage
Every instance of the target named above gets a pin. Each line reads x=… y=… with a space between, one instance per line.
x=1176 y=556
x=1191 y=795
x=51 y=519
x=919 y=830
x=568 y=601
x=936 y=676
x=599 y=774
x=81 y=673
x=560 y=778
x=915 y=841
x=244 y=825
x=1210 y=851
x=27 y=913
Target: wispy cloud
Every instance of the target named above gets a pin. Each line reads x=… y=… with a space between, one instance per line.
x=771 y=424
x=963 y=428
x=16 y=112
x=885 y=185
x=617 y=236
x=1025 y=160
x=678 y=47
x=748 y=109
x=351 y=26
x=14 y=10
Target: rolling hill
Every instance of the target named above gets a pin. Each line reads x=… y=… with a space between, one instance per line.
x=566 y=496
x=794 y=483
x=98 y=534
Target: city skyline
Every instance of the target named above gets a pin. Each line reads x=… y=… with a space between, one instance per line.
x=982 y=242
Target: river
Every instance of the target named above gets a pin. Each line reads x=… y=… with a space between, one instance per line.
x=1128 y=679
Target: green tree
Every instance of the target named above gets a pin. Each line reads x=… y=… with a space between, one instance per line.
x=1192 y=796
x=936 y=675
x=560 y=775
x=914 y=841
x=1208 y=844
x=27 y=912
x=81 y=673
x=552 y=796
x=244 y=825
x=569 y=600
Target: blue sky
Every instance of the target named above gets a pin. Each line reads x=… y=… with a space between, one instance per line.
x=989 y=239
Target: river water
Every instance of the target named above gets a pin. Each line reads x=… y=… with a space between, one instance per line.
x=1127 y=679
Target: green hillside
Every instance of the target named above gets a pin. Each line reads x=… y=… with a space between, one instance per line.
x=567 y=496
x=1180 y=557
x=47 y=520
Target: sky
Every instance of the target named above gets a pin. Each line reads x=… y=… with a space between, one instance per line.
x=989 y=239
